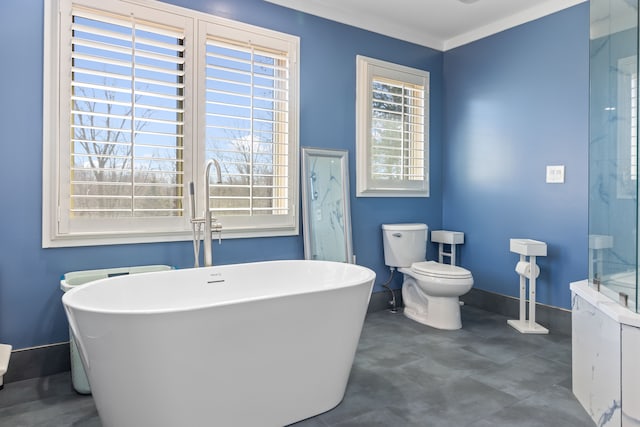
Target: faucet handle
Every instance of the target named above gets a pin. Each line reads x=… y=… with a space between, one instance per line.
x=216 y=227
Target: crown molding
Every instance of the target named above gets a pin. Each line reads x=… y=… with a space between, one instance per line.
x=381 y=25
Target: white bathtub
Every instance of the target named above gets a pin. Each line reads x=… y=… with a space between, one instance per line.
x=260 y=344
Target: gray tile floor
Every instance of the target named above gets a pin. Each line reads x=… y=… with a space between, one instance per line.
x=405 y=374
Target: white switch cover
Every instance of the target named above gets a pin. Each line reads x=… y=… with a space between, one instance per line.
x=555 y=174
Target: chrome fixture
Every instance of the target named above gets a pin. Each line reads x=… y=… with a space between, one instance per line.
x=210 y=223
x=623 y=299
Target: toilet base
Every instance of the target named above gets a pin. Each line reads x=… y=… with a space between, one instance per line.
x=440 y=313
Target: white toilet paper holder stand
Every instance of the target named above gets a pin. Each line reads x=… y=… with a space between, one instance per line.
x=528 y=270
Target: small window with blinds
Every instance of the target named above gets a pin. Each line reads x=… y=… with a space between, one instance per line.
x=392 y=130
x=126 y=128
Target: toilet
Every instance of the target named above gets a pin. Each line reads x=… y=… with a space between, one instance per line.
x=430 y=289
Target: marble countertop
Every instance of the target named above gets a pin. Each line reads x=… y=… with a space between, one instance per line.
x=609 y=307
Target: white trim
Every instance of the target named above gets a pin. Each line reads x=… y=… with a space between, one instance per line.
x=128 y=238
x=364 y=20
x=512 y=21
x=381 y=25
x=51 y=60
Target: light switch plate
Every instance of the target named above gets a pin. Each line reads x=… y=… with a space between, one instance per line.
x=555 y=174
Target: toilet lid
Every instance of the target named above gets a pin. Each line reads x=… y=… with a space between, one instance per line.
x=435 y=269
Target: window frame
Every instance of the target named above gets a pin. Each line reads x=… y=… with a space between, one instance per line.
x=251 y=37
x=147 y=230
x=366 y=186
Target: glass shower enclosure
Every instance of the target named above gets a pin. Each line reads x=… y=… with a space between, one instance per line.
x=613 y=150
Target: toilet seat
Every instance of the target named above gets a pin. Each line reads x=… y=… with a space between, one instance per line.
x=438 y=270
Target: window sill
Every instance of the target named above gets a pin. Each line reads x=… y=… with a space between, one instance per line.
x=78 y=240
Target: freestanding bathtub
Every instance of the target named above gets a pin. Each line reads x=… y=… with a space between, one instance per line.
x=258 y=344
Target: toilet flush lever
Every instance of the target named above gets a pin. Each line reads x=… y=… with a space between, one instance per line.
x=397 y=234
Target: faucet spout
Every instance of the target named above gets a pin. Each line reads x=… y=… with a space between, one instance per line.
x=207 y=241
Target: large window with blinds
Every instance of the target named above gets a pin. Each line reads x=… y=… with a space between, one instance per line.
x=136 y=102
x=247 y=125
x=392 y=130
x=126 y=133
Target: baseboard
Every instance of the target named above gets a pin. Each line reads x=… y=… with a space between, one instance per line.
x=38 y=362
x=557 y=320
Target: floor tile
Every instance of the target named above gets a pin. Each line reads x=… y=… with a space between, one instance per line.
x=404 y=374
x=553 y=407
x=525 y=376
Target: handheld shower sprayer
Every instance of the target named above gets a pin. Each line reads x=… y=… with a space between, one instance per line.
x=192 y=200
x=196 y=224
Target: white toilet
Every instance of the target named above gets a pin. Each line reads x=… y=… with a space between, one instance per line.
x=430 y=289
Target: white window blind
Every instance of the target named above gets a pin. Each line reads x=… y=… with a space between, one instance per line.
x=247 y=127
x=126 y=118
x=392 y=130
x=397 y=130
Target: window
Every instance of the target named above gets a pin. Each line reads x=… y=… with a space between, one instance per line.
x=247 y=126
x=392 y=130
x=136 y=101
x=626 y=114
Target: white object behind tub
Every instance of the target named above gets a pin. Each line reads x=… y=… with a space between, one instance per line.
x=5 y=355
x=79 y=378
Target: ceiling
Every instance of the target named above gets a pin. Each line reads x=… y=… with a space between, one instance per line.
x=438 y=24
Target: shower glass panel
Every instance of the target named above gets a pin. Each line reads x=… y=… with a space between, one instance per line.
x=613 y=150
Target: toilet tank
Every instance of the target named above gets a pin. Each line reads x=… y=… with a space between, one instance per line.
x=404 y=244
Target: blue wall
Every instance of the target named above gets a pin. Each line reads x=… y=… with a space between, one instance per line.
x=514 y=103
x=509 y=105
x=30 y=308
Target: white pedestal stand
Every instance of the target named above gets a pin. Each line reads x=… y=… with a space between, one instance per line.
x=445 y=237
x=528 y=270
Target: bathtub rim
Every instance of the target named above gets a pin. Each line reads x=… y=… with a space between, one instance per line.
x=69 y=304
